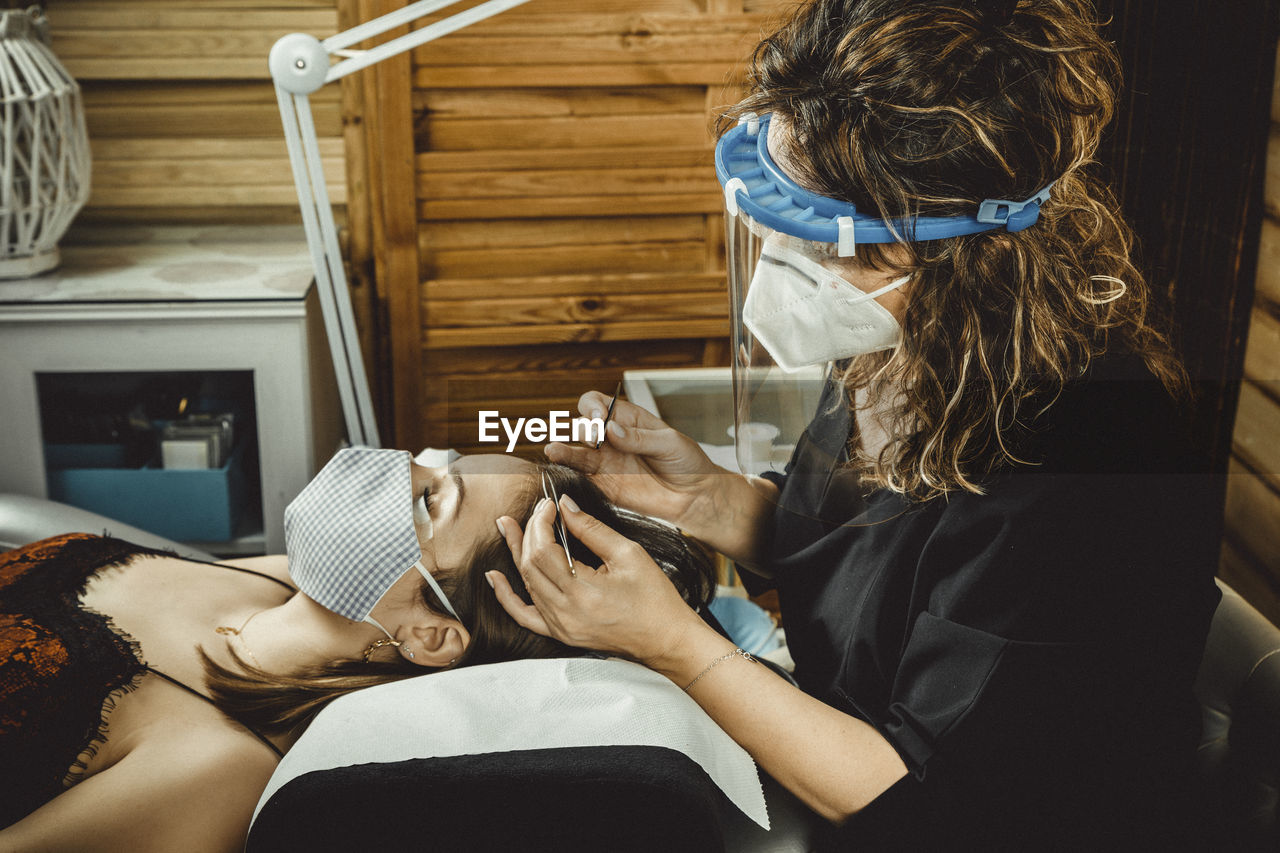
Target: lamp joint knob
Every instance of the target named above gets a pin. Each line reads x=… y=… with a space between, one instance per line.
x=299 y=63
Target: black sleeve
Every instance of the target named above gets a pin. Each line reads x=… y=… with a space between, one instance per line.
x=753 y=583
x=1044 y=690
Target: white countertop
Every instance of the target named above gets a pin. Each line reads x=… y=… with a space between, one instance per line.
x=173 y=264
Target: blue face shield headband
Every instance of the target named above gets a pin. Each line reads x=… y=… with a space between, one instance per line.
x=794 y=308
x=755 y=185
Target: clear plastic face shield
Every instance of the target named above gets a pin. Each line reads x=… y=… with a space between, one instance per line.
x=794 y=307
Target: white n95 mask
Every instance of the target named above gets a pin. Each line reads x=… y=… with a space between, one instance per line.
x=350 y=533
x=804 y=313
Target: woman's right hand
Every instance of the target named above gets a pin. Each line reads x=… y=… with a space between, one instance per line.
x=644 y=465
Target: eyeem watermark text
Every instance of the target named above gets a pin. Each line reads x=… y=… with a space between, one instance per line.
x=558 y=426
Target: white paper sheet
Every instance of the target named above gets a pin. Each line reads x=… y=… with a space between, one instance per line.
x=532 y=704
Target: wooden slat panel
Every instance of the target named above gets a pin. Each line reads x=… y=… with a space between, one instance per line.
x=575 y=7
x=556 y=260
x=358 y=248
x=214 y=40
x=585 y=205
x=603 y=17
x=562 y=372
x=153 y=41
x=678 y=129
x=388 y=123
x=504 y=233
x=177 y=172
x=1253 y=515
x=152 y=93
x=546 y=103
x=1275 y=92
x=168 y=67
x=183 y=122
x=1257 y=425
x=1250 y=578
x=148 y=7
x=211 y=111
x=1272 y=192
x=518 y=310
x=585 y=286
x=159 y=148
x=482 y=336
x=131 y=16
x=638 y=24
x=230 y=43
x=1267 y=282
x=558 y=159
x=186 y=213
x=523 y=394
x=570 y=217
x=217 y=195
x=579 y=74
x=149 y=173
x=618 y=183
x=1262 y=356
x=519 y=38
x=579 y=359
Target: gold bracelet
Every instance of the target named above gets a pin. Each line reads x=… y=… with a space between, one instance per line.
x=733 y=654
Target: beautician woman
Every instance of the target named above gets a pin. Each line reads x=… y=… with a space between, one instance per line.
x=993 y=546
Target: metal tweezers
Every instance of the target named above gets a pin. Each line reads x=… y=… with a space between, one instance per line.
x=609 y=414
x=549 y=491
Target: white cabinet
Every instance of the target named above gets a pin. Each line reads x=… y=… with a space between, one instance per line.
x=178 y=299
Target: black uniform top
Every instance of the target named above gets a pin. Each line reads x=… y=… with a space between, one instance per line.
x=1030 y=652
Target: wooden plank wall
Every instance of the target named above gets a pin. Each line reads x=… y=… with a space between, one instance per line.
x=183 y=120
x=1251 y=551
x=182 y=117
x=569 y=219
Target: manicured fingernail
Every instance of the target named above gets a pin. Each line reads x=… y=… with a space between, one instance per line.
x=502 y=528
x=616 y=429
x=568 y=504
x=598 y=414
x=489 y=579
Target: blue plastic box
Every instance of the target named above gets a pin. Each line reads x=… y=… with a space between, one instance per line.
x=187 y=505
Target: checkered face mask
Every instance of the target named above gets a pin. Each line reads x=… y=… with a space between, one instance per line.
x=350 y=533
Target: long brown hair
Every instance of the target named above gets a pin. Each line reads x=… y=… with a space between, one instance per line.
x=278 y=703
x=910 y=108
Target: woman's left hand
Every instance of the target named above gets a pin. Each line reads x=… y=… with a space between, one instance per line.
x=626 y=606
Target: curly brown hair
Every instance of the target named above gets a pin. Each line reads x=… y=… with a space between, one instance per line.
x=910 y=108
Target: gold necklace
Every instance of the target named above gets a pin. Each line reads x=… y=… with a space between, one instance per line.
x=228 y=631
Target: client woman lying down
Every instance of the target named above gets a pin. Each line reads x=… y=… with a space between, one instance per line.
x=145 y=699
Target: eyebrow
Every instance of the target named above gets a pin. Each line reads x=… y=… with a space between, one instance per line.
x=462 y=493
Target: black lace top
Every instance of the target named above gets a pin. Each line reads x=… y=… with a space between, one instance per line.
x=61 y=666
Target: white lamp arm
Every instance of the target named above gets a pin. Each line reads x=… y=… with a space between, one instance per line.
x=300 y=64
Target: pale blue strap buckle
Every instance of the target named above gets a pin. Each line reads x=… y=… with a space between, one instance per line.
x=1013 y=215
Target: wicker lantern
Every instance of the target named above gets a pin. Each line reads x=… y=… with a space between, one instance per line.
x=44 y=148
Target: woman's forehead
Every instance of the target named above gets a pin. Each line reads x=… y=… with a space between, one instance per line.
x=493 y=464
x=493 y=484
x=490 y=486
